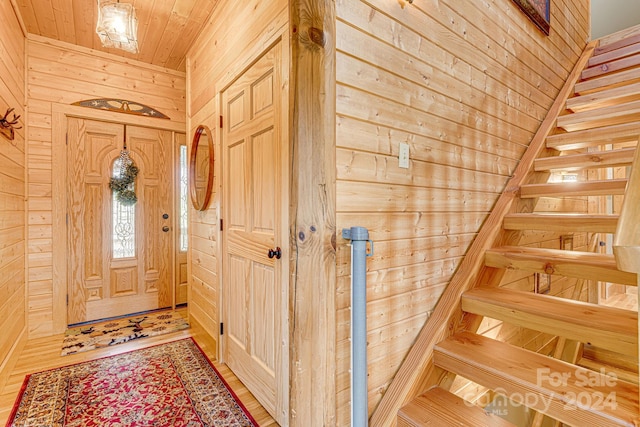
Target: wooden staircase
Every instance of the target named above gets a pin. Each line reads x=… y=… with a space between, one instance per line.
x=552 y=224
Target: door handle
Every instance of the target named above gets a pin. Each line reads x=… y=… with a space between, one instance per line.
x=275 y=253
x=165 y=229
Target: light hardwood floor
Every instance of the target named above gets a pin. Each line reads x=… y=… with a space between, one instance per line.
x=44 y=353
x=626 y=300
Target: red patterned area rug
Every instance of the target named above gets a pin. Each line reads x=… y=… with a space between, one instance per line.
x=118 y=331
x=168 y=385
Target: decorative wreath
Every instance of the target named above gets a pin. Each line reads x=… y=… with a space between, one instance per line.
x=122 y=185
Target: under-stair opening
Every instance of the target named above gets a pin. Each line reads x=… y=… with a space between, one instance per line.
x=492 y=402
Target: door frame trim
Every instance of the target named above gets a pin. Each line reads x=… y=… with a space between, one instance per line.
x=59 y=115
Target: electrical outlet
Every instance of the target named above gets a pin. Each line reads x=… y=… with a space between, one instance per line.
x=403 y=155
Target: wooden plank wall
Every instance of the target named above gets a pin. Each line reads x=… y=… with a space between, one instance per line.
x=60 y=73
x=235 y=35
x=466 y=85
x=12 y=185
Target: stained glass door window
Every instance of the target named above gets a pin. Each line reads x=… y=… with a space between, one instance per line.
x=124 y=222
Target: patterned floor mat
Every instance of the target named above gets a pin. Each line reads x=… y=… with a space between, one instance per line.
x=112 y=332
x=167 y=385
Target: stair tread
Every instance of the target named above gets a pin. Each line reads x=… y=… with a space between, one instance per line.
x=613 y=54
x=607 y=327
x=605 y=98
x=561 y=222
x=607 y=81
x=614 y=134
x=597 y=159
x=584 y=188
x=605 y=116
x=611 y=358
x=545 y=384
x=584 y=265
x=616 y=45
x=628 y=376
x=440 y=408
x=597 y=358
x=610 y=67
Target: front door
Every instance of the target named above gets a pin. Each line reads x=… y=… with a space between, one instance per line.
x=255 y=242
x=119 y=255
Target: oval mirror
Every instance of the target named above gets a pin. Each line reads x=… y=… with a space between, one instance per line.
x=201 y=168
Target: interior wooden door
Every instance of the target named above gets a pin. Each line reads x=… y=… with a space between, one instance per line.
x=119 y=258
x=254 y=239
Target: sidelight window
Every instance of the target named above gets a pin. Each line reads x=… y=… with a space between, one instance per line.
x=184 y=200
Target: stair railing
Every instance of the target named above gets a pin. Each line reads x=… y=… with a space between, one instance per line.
x=626 y=244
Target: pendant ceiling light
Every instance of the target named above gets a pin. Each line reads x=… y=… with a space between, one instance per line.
x=117 y=25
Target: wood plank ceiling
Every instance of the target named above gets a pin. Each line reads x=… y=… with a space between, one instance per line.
x=166 y=28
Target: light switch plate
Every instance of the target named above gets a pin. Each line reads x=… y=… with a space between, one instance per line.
x=403 y=155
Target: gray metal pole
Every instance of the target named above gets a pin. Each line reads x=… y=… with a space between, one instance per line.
x=359 y=237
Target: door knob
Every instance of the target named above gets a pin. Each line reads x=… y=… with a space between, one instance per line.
x=277 y=252
x=165 y=229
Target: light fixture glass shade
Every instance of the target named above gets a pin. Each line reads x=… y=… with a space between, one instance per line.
x=117 y=25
